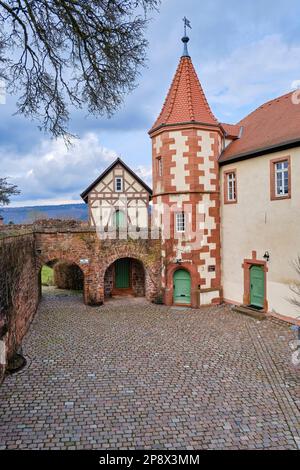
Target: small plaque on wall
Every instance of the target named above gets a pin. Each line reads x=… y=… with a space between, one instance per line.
x=211 y=269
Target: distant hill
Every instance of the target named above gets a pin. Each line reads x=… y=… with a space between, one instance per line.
x=27 y=215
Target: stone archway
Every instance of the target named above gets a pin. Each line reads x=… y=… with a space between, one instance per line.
x=94 y=255
x=125 y=277
x=67 y=274
x=150 y=267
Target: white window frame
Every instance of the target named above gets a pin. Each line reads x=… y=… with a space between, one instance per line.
x=283 y=171
x=180 y=222
x=231 y=187
x=118 y=179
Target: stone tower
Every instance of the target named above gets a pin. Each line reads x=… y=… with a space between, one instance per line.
x=186 y=144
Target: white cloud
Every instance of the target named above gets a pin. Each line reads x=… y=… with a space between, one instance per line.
x=145 y=173
x=253 y=73
x=54 y=172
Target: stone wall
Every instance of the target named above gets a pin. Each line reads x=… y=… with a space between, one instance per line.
x=19 y=291
x=82 y=247
x=138 y=278
x=109 y=281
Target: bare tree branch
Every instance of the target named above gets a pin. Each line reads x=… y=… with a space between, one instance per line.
x=62 y=53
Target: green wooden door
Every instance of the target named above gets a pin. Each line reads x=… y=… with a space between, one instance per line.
x=257 y=286
x=122 y=269
x=182 y=287
x=119 y=219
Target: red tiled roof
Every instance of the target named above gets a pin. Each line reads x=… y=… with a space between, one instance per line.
x=231 y=130
x=275 y=123
x=186 y=101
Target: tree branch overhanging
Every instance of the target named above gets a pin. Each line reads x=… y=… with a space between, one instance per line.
x=61 y=53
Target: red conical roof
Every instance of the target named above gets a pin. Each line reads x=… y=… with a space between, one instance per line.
x=186 y=101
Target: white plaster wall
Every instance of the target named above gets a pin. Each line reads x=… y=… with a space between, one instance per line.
x=256 y=223
x=206 y=298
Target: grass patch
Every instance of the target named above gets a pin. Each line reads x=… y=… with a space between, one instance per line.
x=47 y=276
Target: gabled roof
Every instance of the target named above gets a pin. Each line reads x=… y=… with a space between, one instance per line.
x=273 y=126
x=85 y=193
x=186 y=101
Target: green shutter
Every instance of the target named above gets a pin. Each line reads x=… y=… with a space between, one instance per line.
x=182 y=287
x=257 y=286
x=122 y=269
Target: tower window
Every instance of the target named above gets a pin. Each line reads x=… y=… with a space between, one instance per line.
x=159 y=167
x=118 y=184
x=180 y=222
x=230 y=188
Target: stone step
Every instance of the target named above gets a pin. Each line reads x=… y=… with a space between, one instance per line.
x=250 y=312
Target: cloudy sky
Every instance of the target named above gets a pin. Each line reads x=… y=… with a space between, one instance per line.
x=245 y=52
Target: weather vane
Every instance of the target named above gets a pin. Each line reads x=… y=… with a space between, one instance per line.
x=187 y=24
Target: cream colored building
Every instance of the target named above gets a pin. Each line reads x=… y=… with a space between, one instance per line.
x=260 y=209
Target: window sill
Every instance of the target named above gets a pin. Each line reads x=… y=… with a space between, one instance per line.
x=230 y=202
x=279 y=198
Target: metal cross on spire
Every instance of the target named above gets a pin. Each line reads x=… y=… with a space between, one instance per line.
x=187 y=24
x=185 y=39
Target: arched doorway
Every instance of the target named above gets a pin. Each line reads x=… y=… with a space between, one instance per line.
x=125 y=277
x=182 y=287
x=61 y=274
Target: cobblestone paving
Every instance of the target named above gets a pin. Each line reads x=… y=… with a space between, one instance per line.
x=131 y=375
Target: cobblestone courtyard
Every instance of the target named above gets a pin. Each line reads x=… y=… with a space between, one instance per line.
x=134 y=375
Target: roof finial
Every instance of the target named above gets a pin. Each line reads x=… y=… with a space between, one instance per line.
x=185 y=39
